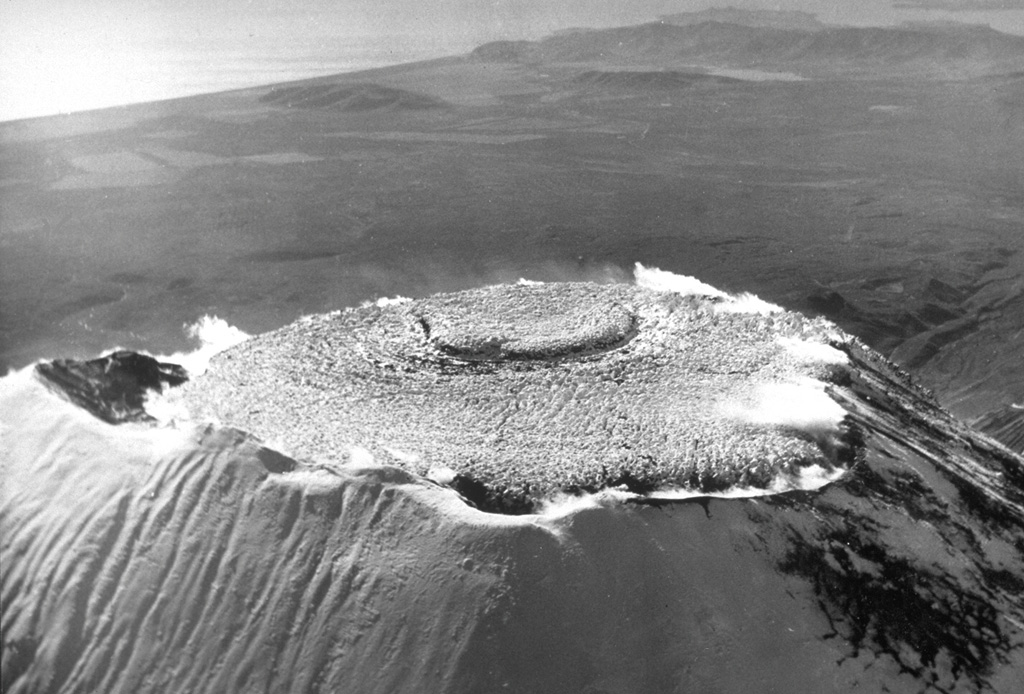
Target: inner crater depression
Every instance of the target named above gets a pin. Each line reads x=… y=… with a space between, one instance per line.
x=527 y=322
x=513 y=394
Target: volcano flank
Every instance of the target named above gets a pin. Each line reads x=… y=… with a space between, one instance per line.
x=503 y=481
x=588 y=481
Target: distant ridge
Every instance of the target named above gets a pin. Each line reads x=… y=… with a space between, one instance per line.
x=507 y=51
x=773 y=19
x=923 y=49
x=349 y=97
x=649 y=79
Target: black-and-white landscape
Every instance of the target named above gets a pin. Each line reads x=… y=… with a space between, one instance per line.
x=868 y=176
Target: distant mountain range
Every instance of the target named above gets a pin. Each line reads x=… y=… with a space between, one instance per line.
x=792 y=41
x=958 y=5
x=775 y=19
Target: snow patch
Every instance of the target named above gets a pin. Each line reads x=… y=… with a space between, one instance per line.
x=384 y=302
x=403 y=456
x=441 y=475
x=357 y=455
x=663 y=281
x=166 y=408
x=802 y=405
x=214 y=335
x=747 y=303
x=564 y=505
x=807 y=478
x=807 y=352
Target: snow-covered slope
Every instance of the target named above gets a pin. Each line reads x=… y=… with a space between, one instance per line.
x=194 y=557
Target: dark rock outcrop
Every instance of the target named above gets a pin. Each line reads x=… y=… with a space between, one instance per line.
x=113 y=387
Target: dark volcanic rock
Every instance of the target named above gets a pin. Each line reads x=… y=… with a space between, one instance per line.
x=948 y=628
x=113 y=387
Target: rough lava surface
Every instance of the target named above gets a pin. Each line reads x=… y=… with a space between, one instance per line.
x=154 y=556
x=523 y=391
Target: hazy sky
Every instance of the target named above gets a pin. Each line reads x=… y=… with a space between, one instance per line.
x=61 y=55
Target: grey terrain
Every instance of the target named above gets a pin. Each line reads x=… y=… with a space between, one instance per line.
x=272 y=528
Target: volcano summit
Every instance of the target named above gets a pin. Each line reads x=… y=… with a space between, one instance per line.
x=523 y=391
x=321 y=531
